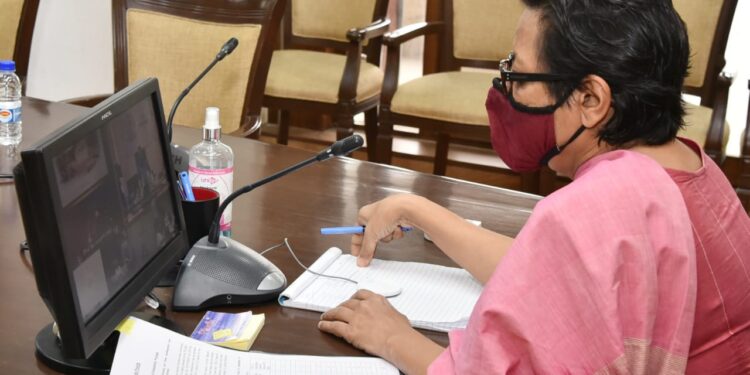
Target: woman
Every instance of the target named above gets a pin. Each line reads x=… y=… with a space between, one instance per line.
x=641 y=265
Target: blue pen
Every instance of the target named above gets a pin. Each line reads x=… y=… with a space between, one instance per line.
x=180 y=189
x=358 y=229
x=187 y=187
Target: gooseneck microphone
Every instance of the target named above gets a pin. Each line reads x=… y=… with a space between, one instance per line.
x=221 y=271
x=340 y=148
x=225 y=50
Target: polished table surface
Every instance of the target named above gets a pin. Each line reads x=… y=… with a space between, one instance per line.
x=296 y=206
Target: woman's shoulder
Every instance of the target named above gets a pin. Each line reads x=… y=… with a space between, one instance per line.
x=618 y=176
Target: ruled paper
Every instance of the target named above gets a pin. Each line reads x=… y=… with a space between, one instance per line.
x=432 y=296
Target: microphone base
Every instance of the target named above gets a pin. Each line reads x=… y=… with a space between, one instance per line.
x=227 y=273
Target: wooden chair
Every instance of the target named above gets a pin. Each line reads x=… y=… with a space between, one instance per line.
x=175 y=40
x=17 y=20
x=449 y=104
x=708 y=23
x=743 y=182
x=320 y=69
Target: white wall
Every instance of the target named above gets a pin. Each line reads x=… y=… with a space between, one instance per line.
x=71 y=56
x=738 y=64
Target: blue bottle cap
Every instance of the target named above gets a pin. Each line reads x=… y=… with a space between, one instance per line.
x=7 y=65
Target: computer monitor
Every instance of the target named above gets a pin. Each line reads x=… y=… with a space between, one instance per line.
x=102 y=217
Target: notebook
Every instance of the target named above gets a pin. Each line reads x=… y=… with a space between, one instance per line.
x=432 y=297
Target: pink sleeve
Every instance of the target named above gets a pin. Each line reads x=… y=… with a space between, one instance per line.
x=590 y=285
x=444 y=364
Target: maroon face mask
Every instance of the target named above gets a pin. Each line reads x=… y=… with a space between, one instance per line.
x=520 y=139
x=525 y=141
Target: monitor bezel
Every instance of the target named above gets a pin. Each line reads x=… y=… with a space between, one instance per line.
x=79 y=338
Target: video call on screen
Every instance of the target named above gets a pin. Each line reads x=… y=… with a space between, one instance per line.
x=117 y=210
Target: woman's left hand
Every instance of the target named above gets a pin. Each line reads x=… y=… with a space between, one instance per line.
x=368 y=322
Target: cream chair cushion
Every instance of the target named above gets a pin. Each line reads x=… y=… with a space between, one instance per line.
x=330 y=19
x=10 y=18
x=697 y=123
x=316 y=76
x=484 y=29
x=191 y=46
x=451 y=96
x=701 y=18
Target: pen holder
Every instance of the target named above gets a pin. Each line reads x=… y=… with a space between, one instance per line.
x=199 y=213
x=198 y=216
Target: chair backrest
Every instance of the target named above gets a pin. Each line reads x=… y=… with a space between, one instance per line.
x=17 y=19
x=322 y=24
x=175 y=40
x=477 y=33
x=708 y=23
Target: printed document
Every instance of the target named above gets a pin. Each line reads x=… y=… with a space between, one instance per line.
x=147 y=349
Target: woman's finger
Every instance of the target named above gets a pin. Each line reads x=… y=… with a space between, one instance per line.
x=340 y=313
x=363 y=294
x=336 y=328
x=356 y=246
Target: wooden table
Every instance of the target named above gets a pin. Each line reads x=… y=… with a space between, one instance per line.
x=324 y=194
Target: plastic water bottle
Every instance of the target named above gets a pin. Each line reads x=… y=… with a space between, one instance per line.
x=212 y=165
x=10 y=105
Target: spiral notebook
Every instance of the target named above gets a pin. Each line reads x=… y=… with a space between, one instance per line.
x=433 y=297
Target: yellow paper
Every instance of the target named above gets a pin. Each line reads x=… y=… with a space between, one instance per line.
x=126 y=326
x=222 y=333
x=247 y=337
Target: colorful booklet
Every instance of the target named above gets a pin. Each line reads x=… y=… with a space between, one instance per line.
x=235 y=331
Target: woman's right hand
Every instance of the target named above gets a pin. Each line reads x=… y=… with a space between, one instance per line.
x=384 y=220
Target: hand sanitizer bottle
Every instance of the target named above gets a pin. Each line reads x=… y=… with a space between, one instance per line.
x=212 y=165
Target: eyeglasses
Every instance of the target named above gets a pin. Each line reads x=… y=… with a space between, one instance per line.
x=508 y=76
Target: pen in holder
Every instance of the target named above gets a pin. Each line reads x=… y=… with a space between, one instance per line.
x=198 y=215
x=200 y=212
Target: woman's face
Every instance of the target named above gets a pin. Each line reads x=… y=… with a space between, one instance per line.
x=568 y=117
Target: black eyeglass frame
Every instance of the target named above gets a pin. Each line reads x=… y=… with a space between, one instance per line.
x=507 y=76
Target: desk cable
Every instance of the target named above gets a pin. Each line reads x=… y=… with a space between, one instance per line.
x=291 y=251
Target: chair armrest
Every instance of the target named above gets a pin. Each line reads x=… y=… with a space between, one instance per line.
x=393 y=41
x=376 y=29
x=412 y=31
x=87 y=101
x=714 y=145
x=357 y=37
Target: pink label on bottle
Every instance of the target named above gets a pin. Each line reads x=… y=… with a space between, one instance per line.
x=211 y=171
x=219 y=180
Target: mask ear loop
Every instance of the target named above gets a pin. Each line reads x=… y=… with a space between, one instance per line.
x=554 y=151
x=546 y=110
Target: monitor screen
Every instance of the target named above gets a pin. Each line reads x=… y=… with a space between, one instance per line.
x=114 y=204
x=102 y=215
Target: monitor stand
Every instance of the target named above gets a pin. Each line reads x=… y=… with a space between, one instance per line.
x=48 y=350
x=169 y=278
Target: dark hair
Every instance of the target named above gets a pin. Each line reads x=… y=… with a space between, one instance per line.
x=640 y=47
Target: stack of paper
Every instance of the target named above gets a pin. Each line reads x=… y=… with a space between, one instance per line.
x=235 y=331
x=432 y=297
x=145 y=348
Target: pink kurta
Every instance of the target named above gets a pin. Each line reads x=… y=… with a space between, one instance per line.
x=602 y=279
x=721 y=334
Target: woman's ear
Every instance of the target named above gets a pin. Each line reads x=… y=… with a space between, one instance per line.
x=594 y=100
